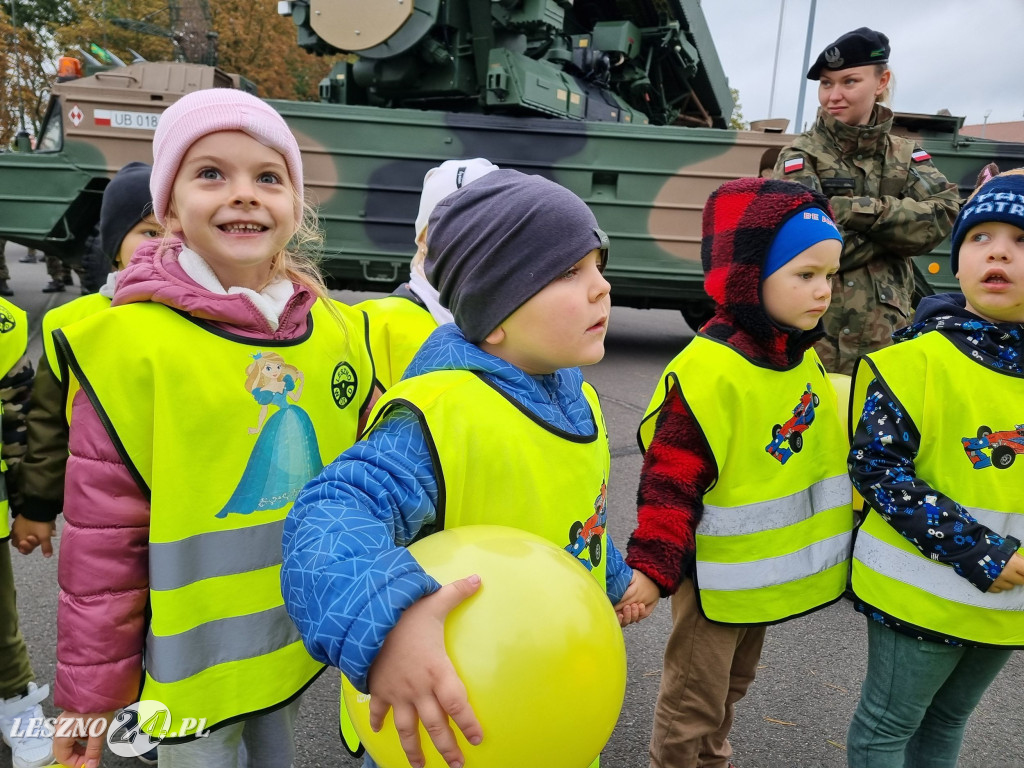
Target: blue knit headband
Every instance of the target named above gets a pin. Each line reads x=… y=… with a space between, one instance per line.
x=802 y=230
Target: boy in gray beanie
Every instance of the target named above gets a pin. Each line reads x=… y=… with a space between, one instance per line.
x=493 y=423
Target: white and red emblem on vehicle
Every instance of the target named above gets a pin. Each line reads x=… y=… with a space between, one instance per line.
x=76 y=115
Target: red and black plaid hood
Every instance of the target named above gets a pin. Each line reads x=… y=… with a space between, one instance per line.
x=740 y=221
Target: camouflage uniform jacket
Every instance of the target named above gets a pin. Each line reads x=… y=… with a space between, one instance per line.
x=15 y=392
x=891 y=203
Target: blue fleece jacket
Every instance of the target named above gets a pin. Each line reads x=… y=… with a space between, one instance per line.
x=347 y=576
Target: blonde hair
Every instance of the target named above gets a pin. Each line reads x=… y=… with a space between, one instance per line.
x=256 y=378
x=885 y=97
x=300 y=260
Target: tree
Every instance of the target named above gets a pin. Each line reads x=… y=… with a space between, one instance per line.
x=736 y=118
x=261 y=45
x=27 y=53
x=246 y=36
x=95 y=23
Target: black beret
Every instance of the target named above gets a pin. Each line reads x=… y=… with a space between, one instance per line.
x=854 y=49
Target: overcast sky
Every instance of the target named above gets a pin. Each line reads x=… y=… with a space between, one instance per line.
x=964 y=55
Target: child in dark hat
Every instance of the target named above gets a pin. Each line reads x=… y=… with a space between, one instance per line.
x=518 y=260
x=889 y=199
x=744 y=505
x=126 y=221
x=937 y=568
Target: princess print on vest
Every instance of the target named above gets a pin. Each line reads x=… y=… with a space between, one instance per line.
x=286 y=455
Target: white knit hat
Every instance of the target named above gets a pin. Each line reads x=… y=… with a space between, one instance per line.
x=201 y=113
x=445 y=179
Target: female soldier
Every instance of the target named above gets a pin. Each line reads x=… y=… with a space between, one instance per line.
x=890 y=201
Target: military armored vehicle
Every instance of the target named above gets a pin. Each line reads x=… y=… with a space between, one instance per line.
x=622 y=101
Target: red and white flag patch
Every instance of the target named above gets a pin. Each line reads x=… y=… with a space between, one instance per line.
x=919 y=156
x=793 y=164
x=101 y=116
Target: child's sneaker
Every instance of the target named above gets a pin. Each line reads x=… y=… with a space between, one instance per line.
x=28 y=751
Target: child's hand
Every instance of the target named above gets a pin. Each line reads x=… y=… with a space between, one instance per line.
x=638 y=603
x=1011 y=576
x=26 y=535
x=413 y=676
x=70 y=751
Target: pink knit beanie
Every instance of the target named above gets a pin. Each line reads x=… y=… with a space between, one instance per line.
x=201 y=113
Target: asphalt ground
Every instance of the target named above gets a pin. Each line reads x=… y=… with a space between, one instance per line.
x=795 y=714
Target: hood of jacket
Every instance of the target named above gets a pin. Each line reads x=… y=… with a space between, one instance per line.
x=154 y=274
x=999 y=346
x=556 y=398
x=741 y=219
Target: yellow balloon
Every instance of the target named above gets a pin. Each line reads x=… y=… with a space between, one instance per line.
x=538 y=647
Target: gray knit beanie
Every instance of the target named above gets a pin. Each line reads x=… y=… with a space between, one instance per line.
x=495 y=243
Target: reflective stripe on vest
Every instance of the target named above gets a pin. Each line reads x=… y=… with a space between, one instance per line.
x=556 y=486
x=13 y=344
x=398 y=328
x=65 y=315
x=961 y=456
x=774 y=539
x=220 y=431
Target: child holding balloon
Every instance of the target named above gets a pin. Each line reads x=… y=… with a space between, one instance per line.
x=744 y=506
x=492 y=416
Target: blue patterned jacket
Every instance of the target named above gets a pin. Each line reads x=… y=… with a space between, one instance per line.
x=347 y=576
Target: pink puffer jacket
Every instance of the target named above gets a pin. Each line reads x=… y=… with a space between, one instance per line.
x=104 y=555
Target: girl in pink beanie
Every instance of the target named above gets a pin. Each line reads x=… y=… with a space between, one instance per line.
x=220 y=381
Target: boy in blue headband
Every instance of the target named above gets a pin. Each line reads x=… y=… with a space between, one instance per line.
x=744 y=506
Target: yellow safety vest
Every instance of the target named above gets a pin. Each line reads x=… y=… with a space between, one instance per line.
x=221 y=454
x=65 y=315
x=398 y=328
x=775 y=536
x=13 y=343
x=972 y=449
x=549 y=482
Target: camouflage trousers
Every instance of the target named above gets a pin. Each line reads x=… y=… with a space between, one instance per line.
x=15 y=670
x=56 y=268
x=858 y=321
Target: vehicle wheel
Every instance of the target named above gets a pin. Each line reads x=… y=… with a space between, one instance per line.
x=696 y=313
x=595 y=551
x=816 y=400
x=796 y=442
x=776 y=429
x=984 y=432
x=1003 y=456
x=574 y=531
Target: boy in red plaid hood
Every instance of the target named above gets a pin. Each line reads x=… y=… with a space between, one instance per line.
x=744 y=512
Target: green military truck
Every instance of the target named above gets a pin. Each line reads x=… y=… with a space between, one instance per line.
x=622 y=101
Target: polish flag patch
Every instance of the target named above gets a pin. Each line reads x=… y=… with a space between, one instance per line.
x=101 y=116
x=919 y=156
x=792 y=165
